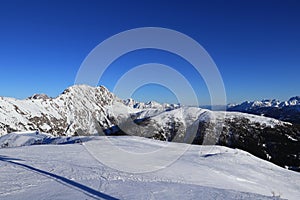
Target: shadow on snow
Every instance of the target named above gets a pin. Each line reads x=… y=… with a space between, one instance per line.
x=87 y=190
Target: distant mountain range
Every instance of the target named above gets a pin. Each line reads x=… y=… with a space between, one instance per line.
x=286 y=111
x=85 y=110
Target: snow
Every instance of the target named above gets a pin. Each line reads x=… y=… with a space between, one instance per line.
x=58 y=113
x=247 y=105
x=149 y=105
x=256 y=119
x=82 y=108
x=189 y=115
x=32 y=138
x=73 y=171
x=291 y=138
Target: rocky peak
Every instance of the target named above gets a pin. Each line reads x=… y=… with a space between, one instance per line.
x=85 y=93
x=39 y=96
x=294 y=100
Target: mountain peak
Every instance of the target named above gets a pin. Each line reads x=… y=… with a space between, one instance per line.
x=39 y=96
x=76 y=88
x=87 y=90
x=295 y=98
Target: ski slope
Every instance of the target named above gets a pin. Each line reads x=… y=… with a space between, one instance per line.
x=71 y=170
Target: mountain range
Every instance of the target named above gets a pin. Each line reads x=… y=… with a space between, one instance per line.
x=84 y=110
x=283 y=110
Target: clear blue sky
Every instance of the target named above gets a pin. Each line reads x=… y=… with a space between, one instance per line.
x=255 y=44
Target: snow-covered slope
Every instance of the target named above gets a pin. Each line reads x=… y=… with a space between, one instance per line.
x=184 y=120
x=202 y=172
x=79 y=110
x=267 y=138
x=84 y=110
x=19 y=139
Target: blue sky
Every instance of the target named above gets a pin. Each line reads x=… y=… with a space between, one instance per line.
x=255 y=44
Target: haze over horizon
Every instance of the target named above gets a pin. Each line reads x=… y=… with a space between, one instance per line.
x=255 y=45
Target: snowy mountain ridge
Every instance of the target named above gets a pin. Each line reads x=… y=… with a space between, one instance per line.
x=149 y=105
x=84 y=110
x=293 y=101
x=285 y=110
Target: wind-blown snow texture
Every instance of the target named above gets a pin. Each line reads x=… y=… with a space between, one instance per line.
x=70 y=172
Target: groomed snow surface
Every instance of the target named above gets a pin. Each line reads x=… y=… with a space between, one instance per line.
x=40 y=166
